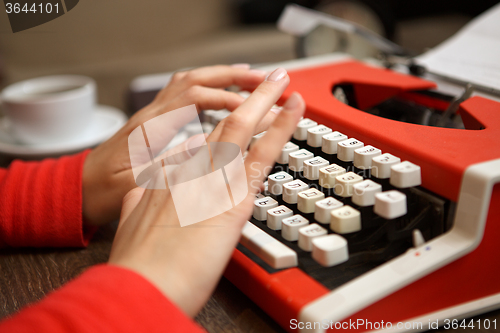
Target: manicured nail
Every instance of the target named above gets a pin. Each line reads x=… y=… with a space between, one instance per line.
x=293 y=102
x=277 y=75
x=259 y=72
x=276 y=109
x=245 y=66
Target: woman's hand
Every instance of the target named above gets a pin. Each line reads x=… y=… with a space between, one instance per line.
x=107 y=173
x=185 y=263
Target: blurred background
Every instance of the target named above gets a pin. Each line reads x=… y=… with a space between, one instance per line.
x=114 y=41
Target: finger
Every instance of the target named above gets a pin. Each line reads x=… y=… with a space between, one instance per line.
x=205 y=99
x=268 y=119
x=222 y=76
x=261 y=127
x=242 y=123
x=264 y=152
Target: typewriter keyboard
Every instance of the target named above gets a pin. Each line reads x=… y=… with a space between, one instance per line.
x=337 y=207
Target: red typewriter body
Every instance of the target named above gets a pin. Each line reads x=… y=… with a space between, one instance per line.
x=444 y=155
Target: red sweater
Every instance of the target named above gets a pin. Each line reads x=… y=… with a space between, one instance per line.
x=41 y=205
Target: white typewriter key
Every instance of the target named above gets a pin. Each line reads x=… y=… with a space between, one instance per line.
x=324 y=208
x=260 y=207
x=276 y=181
x=329 y=142
x=296 y=159
x=330 y=250
x=346 y=148
x=364 y=192
x=328 y=174
x=405 y=174
x=292 y=189
x=344 y=183
x=290 y=227
x=306 y=200
x=315 y=135
x=288 y=148
x=256 y=137
x=302 y=127
x=259 y=196
x=273 y=252
x=363 y=156
x=381 y=165
x=390 y=204
x=312 y=166
x=276 y=215
x=345 y=220
x=307 y=233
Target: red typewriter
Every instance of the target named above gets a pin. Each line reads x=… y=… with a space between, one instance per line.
x=415 y=245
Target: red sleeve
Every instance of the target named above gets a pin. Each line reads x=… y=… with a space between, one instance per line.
x=104 y=299
x=41 y=203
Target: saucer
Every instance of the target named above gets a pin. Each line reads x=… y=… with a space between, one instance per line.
x=107 y=121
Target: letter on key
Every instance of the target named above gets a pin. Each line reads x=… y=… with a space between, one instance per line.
x=306 y=235
x=344 y=183
x=364 y=192
x=292 y=189
x=291 y=225
x=390 y=204
x=296 y=159
x=324 y=208
x=328 y=174
x=306 y=200
x=405 y=174
x=381 y=165
x=276 y=181
x=315 y=135
x=330 y=141
x=346 y=148
x=302 y=127
x=312 y=166
x=260 y=207
x=345 y=220
x=276 y=215
x=363 y=156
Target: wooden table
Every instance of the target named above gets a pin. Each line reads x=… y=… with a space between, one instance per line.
x=27 y=275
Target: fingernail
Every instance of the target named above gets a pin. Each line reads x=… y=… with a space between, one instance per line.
x=277 y=75
x=276 y=109
x=293 y=102
x=194 y=143
x=259 y=72
x=245 y=66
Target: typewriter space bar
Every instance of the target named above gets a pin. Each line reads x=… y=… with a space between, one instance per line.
x=273 y=252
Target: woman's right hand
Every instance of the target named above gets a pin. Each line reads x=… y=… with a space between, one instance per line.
x=185 y=263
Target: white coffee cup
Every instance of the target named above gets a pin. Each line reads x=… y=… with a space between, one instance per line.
x=49 y=109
